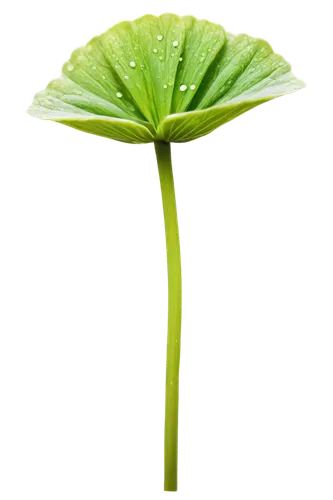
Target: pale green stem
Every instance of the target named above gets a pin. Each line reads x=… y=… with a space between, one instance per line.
x=163 y=155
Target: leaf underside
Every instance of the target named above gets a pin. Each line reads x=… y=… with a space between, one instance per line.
x=163 y=78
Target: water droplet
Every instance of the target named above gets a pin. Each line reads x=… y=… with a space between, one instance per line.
x=180 y=59
x=103 y=77
x=126 y=77
x=175 y=43
x=182 y=88
x=192 y=87
x=172 y=54
x=70 y=67
x=155 y=51
x=165 y=86
x=119 y=95
x=159 y=37
x=203 y=54
x=132 y=64
x=160 y=58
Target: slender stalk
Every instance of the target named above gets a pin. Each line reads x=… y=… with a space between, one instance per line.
x=163 y=155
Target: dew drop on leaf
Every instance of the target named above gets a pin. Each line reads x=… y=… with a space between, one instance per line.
x=155 y=51
x=165 y=86
x=126 y=77
x=192 y=87
x=175 y=43
x=182 y=88
x=159 y=37
x=132 y=64
x=180 y=59
x=119 y=95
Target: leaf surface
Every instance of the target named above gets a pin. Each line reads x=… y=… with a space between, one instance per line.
x=163 y=78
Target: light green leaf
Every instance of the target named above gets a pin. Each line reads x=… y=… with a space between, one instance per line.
x=112 y=128
x=244 y=63
x=89 y=82
x=184 y=127
x=142 y=54
x=169 y=78
x=203 y=42
x=64 y=95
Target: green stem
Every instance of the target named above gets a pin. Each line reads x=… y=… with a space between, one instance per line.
x=163 y=155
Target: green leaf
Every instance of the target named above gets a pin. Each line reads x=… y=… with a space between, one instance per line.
x=89 y=82
x=106 y=126
x=150 y=82
x=203 y=41
x=112 y=128
x=244 y=64
x=163 y=78
x=184 y=127
x=64 y=95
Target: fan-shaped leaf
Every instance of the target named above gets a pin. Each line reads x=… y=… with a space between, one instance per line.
x=169 y=78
